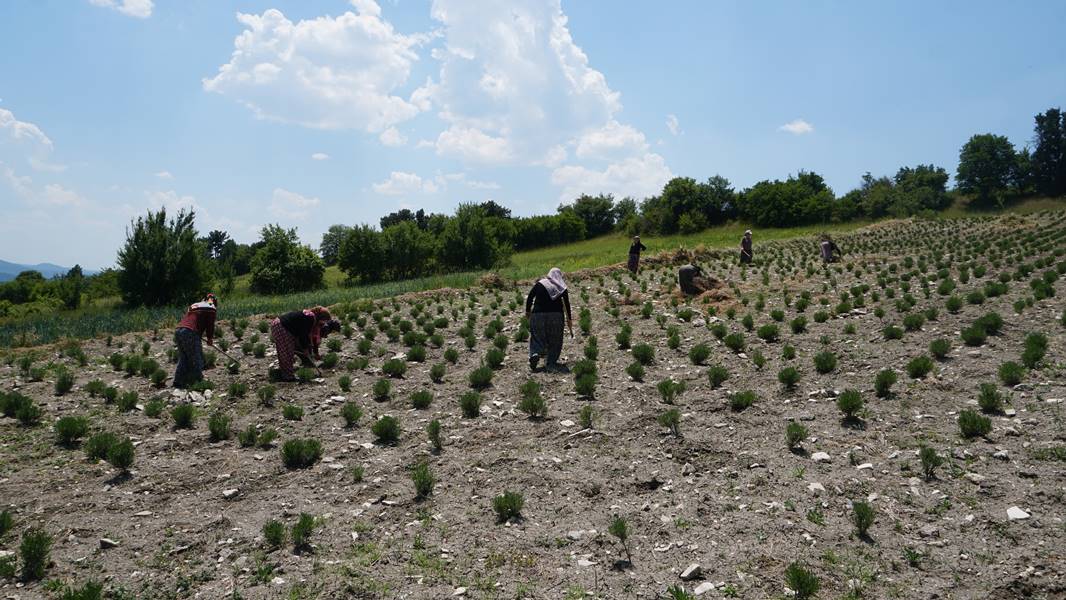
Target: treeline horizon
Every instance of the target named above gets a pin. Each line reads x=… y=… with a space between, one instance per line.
x=407 y=244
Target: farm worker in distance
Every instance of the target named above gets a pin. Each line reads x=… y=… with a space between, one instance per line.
x=198 y=321
x=828 y=247
x=544 y=309
x=745 y=248
x=299 y=333
x=690 y=278
x=634 y=254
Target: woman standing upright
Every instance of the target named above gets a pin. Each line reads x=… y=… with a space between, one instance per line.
x=198 y=321
x=634 y=254
x=544 y=309
x=745 y=248
x=299 y=333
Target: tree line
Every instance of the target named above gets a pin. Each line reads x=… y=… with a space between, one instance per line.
x=164 y=261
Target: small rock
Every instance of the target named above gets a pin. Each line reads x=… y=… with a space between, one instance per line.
x=975 y=478
x=227 y=494
x=1001 y=455
x=143 y=513
x=815 y=488
x=566 y=423
x=1010 y=412
x=106 y=543
x=575 y=535
x=820 y=457
x=865 y=466
x=1014 y=513
x=688 y=469
x=277 y=581
x=929 y=531
x=693 y=571
x=584 y=562
x=459 y=591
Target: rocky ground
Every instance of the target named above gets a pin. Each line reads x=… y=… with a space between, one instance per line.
x=719 y=511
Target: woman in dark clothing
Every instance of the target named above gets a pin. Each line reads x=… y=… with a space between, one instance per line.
x=828 y=248
x=299 y=333
x=544 y=309
x=198 y=321
x=745 y=248
x=634 y=254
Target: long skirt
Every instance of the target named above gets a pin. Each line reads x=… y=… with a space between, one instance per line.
x=745 y=258
x=546 y=335
x=634 y=262
x=285 y=344
x=190 y=358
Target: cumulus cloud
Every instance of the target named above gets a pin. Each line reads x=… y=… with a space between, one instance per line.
x=20 y=184
x=319 y=156
x=57 y=195
x=339 y=72
x=142 y=9
x=673 y=124
x=474 y=145
x=462 y=179
x=164 y=175
x=22 y=131
x=392 y=137
x=613 y=140
x=797 y=127
x=288 y=205
x=400 y=183
x=636 y=176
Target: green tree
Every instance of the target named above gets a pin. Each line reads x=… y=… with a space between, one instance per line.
x=69 y=288
x=330 y=248
x=986 y=169
x=1049 y=156
x=161 y=262
x=473 y=240
x=284 y=265
x=215 y=242
x=920 y=188
x=362 y=254
x=409 y=250
x=597 y=212
x=804 y=198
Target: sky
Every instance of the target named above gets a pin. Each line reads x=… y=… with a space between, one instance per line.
x=309 y=113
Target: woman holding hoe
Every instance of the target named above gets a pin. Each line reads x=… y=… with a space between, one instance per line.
x=299 y=333
x=544 y=309
x=198 y=321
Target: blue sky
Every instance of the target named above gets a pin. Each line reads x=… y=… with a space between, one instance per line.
x=314 y=112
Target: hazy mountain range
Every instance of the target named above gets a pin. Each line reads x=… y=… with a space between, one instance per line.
x=9 y=270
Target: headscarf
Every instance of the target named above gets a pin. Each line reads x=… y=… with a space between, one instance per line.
x=554 y=283
x=747 y=233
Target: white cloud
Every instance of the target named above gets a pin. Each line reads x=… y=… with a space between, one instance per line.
x=797 y=127
x=164 y=175
x=319 y=156
x=22 y=131
x=474 y=184
x=392 y=137
x=43 y=165
x=20 y=184
x=339 y=72
x=610 y=141
x=22 y=139
x=57 y=195
x=288 y=205
x=172 y=201
x=400 y=183
x=673 y=124
x=473 y=145
x=142 y=9
x=636 y=176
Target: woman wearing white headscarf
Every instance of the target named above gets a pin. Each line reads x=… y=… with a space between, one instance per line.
x=544 y=309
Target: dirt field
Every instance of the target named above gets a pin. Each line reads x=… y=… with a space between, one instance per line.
x=727 y=494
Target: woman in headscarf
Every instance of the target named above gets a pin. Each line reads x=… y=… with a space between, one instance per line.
x=634 y=254
x=299 y=333
x=745 y=248
x=828 y=248
x=544 y=309
x=198 y=321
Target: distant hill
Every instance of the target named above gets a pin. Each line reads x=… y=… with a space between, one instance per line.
x=9 y=270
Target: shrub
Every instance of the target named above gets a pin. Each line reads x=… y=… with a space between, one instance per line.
x=913 y=321
x=218 y=425
x=494 y=358
x=301 y=531
x=154 y=407
x=1035 y=349
x=739 y=401
x=532 y=402
x=300 y=453
x=734 y=342
x=7 y=522
x=64 y=382
x=120 y=455
x=989 y=398
x=930 y=461
x=274 y=533
x=850 y=403
x=433 y=432
x=891 y=332
x=266 y=394
x=795 y=433
x=699 y=353
x=127 y=401
x=35 y=548
x=266 y=438
x=862 y=515
x=1011 y=373
x=437 y=372
x=919 y=367
x=799 y=324
x=585 y=385
x=247 y=437
x=184 y=416
x=670 y=390
x=305 y=374
x=635 y=371
x=821 y=316
x=394 y=367
x=470 y=405
x=69 y=430
x=717 y=374
x=95 y=388
x=973 y=425
x=97 y=446
x=671 y=419
x=800 y=580
x=789 y=377
x=939 y=348
x=481 y=378
x=953 y=304
x=422 y=399
x=259 y=350
x=825 y=362
x=991 y=322
x=423 y=480
x=768 y=332
x=292 y=412
x=718 y=330
x=883 y=382
x=508 y=506
x=330 y=360
x=644 y=354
